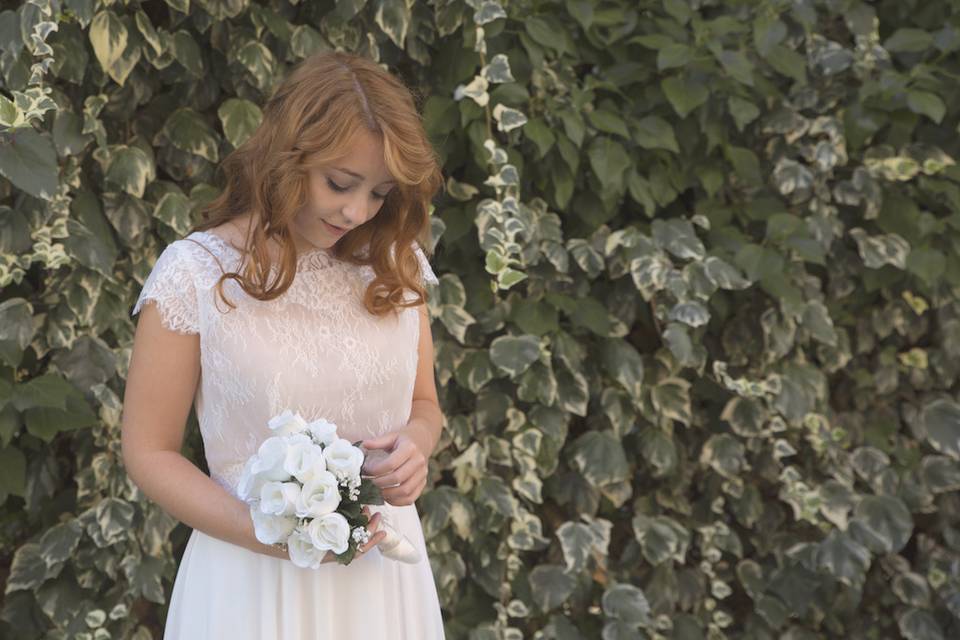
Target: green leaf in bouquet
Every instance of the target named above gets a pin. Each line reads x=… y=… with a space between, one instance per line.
x=369 y=493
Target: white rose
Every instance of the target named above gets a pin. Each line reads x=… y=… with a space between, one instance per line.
x=319 y=496
x=304 y=458
x=343 y=459
x=287 y=423
x=250 y=483
x=270 y=459
x=279 y=498
x=323 y=430
x=270 y=528
x=302 y=551
x=331 y=531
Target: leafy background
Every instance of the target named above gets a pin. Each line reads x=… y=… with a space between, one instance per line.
x=697 y=332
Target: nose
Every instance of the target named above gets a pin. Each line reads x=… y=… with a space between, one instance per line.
x=355 y=210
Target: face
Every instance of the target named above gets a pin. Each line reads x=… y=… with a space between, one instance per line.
x=344 y=194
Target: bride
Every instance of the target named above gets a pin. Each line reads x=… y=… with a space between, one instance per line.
x=302 y=289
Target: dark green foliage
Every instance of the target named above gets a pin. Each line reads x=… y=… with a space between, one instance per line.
x=697 y=331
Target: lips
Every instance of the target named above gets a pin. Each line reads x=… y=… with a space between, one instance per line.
x=334 y=229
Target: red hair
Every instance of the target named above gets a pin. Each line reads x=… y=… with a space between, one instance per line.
x=310 y=120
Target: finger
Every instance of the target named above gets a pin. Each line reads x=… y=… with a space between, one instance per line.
x=373 y=541
x=404 y=472
x=386 y=465
x=381 y=441
x=407 y=487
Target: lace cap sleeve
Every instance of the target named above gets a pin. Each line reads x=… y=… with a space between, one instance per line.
x=171 y=286
x=425 y=270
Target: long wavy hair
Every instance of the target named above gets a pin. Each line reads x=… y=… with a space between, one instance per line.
x=308 y=122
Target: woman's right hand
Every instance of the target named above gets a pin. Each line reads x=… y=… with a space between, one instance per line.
x=376 y=536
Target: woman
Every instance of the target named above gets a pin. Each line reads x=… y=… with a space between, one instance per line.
x=302 y=289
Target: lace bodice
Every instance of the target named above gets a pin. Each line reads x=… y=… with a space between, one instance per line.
x=315 y=349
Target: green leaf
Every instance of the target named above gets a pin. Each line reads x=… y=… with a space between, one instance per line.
x=240 y=118
x=47 y=390
x=130 y=169
x=550 y=586
x=609 y=160
x=114 y=517
x=659 y=451
x=677 y=236
x=186 y=51
x=108 y=36
x=513 y=354
x=576 y=541
x=882 y=523
x=393 y=18
x=187 y=131
x=536 y=317
x=59 y=542
x=572 y=391
x=941 y=418
x=671 y=399
x=724 y=275
x=675 y=54
x=691 y=313
x=28 y=159
x=768 y=32
x=788 y=62
x=918 y=624
x=608 y=122
x=28 y=569
x=174 y=210
x=745 y=163
x=627 y=603
x=624 y=364
x=256 y=58
x=17 y=329
x=737 y=65
x=307 y=40
x=881 y=250
x=456 y=320
x=908 y=40
x=941 y=474
x=817 y=320
x=600 y=458
x=926 y=103
x=684 y=94
x=46 y=422
x=844 y=558
x=148 y=32
x=743 y=111
x=13 y=473
x=548 y=33
x=540 y=134
x=488 y=11
x=661 y=538
x=653 y=132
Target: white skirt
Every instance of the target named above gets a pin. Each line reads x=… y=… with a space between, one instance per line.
x=226 y=592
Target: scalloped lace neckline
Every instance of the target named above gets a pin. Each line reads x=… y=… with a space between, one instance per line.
x=309 y=260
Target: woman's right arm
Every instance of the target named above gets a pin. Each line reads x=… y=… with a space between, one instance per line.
x=161 y=382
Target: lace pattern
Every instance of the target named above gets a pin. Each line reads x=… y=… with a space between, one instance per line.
x=315 y=349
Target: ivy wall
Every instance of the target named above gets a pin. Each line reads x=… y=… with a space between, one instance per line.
x=697 y=332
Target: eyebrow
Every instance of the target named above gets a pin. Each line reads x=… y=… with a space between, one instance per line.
x=357 y=175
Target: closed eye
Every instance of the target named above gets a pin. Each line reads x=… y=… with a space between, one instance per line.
x=333 y=185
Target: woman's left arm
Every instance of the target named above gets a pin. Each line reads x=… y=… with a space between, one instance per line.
x=402 y=475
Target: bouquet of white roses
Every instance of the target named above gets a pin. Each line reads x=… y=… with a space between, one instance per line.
x=305 y=493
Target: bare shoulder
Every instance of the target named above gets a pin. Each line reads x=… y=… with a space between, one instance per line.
x=233 y=231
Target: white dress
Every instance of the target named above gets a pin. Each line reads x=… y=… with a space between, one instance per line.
x=315 y=350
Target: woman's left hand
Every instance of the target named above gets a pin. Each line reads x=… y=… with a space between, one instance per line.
x=402 y=475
